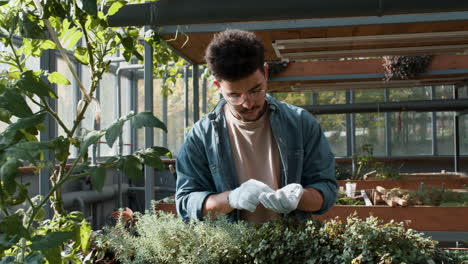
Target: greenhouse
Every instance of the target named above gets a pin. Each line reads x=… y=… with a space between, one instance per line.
x=171 y=131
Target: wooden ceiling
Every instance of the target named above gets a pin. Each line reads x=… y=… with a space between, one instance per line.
x=316 y=50
x=193 y=45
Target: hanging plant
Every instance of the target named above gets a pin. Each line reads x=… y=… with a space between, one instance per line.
x=276 y=67
x=405 y=67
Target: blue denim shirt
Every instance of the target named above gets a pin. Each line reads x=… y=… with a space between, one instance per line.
x=205 y=166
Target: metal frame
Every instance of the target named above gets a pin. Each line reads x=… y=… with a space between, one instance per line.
x=319 y=23
x=167 y=13
x=48 y=63
x=149 y=133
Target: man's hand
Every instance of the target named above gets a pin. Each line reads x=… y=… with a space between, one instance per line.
x=283 y=200
x=245 y=197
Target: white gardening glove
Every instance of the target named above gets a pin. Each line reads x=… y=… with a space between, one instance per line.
x=284 y=200
x=245 y=197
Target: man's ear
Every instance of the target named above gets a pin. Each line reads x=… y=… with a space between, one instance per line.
x=265 y=69
x=217 y=84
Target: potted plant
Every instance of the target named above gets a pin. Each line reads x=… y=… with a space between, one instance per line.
x=27 y=29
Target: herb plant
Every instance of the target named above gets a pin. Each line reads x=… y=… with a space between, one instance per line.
x=158 y=237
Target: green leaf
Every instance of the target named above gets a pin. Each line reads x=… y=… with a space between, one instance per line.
x=151 y=156
x=24 y=123
x=143 y=119
x=98 y=177
x=115 y=7
x=90 y=7
x=20 y=196
x=5 y=115
x=7 y=242
x=58 y=78
x=31 y=83
x=50 y=240
x=81 y=167
x=3 y=3
x=13 y=225
x=85 y=234
x=35 y=258
x=114 y=130
x=8 y=172
x=132 y=167
x=30 y=151
x=81 y=54
x=7 y=260
x=147 y=119
x=90 y=138
x=54 y=8
x=62 y=147
x=53 y=255
x=14 y=102
x=29 y=26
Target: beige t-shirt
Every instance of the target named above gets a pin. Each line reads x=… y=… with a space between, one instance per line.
x=255 y=154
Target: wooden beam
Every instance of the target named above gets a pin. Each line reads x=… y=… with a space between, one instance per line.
x=364 y=74
x=365 y=66
x=372 y=40
x=356 y=53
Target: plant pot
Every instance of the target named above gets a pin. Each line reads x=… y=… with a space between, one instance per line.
x=166 y=207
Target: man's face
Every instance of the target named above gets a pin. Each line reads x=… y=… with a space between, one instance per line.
x=248 y=93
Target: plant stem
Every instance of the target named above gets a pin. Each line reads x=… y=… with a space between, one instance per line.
x=17 y=60
x=5 y=210
x=49 y=110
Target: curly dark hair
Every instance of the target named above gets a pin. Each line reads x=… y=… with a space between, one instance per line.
x=234 y=54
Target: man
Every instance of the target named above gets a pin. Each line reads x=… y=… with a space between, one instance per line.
x=252 y=157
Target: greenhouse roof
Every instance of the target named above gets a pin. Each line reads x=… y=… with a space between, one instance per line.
x=304 y=29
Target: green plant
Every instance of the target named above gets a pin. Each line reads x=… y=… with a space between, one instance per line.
x=27 y=29
x=343 y=173
x=345 y=200
x=163 y=238
x=367 y=164
x=434 y=196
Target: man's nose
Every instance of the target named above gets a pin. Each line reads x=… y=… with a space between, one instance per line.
x=248 y=102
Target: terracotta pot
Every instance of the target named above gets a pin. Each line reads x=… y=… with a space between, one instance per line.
x=166 y=207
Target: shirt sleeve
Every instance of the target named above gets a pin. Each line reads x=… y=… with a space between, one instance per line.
x=319 y=163
x=194 y=181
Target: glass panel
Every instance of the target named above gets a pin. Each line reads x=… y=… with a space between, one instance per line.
x=444 y=126
x=411 y=133
x=124 y=110
x=409 y=94
x=463 y=92
x=65 y=105
x=106 y=99
x=369 y=96
x=157 y=101
x=334 y=128
x=464 y=134
x=175 y=116
x=444 y=92
x=331 y=97
x=88 y=121
x=299 y=98
x=370 y=129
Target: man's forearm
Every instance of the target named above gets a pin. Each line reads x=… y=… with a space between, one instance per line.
x=217 y=203
x=311 y=200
